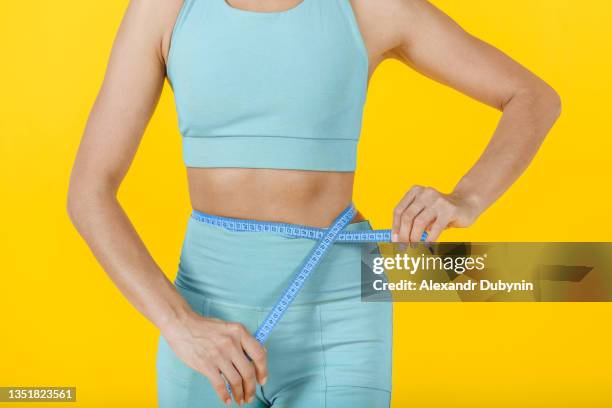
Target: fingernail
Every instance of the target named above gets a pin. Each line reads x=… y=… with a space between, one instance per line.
x=241 y=403
x=394 y=238
x=263 y=382
x=228 y=401
x=251 y=399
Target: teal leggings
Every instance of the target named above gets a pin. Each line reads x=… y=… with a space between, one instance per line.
x=329 y=350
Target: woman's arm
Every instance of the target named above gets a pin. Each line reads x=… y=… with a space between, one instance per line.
x=127 y=99
x=430 y=42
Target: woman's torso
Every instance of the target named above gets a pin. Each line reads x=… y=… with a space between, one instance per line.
x=291 y=196
x=308 y=196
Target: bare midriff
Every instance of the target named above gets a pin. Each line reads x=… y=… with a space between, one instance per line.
x=313 y=198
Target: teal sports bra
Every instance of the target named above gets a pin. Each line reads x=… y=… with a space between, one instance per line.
x=281 y=90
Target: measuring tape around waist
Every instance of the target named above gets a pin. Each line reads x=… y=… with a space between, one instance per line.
x=326 y=237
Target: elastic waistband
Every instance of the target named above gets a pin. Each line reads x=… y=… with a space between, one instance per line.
x=291 y=230
x=251 y=262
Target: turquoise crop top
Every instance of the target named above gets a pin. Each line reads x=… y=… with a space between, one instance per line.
x=281 y=90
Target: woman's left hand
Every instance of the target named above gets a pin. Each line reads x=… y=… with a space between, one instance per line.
x=426 y=209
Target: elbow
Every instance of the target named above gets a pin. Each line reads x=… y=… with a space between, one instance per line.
x=85 y=197
x=545 y=107
x=540 y=100
x=74 y=204
x=551 y=102
x=545 y=101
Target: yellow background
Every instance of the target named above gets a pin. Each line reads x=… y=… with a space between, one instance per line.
x=63 y=323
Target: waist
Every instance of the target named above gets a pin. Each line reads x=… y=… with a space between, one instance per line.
x=310 y=198
x=252 y=268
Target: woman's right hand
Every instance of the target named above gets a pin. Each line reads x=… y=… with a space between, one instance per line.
x=214 y=348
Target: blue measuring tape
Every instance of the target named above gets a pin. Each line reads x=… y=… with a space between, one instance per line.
x=325 y=237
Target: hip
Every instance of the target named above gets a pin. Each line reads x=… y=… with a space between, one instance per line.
x=253 y=268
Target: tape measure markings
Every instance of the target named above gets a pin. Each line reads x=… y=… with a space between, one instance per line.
x=293 y=230
x=325 y=237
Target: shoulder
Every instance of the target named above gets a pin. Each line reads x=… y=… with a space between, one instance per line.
x=386 y=23
x=393 y=16
x=154 y=19
x=389 y=10
x=154 y=11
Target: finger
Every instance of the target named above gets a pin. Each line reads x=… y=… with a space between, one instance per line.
x=440 y=224
x=233 y=378
x=400 y=208
x=252 y=348
x=258 y=355
x=218 y=383
x=247 y=372
x=421 y=222
x=408 y=217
